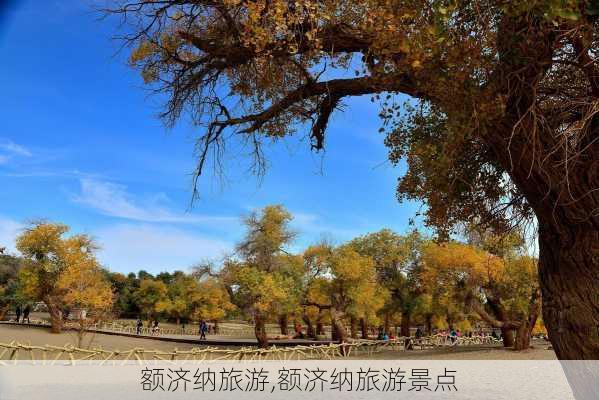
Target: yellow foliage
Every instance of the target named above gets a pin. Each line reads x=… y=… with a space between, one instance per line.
x=453 y=272
x=539 y=328
x=84 y=286
x=211 y=301
x=457 y=262
x=151 y=296
x=62 y=270
x=347 y=282
x=262 y=291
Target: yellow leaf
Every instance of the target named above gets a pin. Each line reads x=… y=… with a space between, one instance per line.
x=416 y=64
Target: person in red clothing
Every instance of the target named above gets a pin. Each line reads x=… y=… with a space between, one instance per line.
x=298 y=331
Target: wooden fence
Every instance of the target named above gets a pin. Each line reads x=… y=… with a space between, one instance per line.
x=13 y=351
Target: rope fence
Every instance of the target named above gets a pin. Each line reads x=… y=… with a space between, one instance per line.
x=49 y=355
x=129 y=328
x=189 y=330
x=193 y=330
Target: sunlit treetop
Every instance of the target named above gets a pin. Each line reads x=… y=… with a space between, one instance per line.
x=85 y=286
x=343 y=279
x=267 y=236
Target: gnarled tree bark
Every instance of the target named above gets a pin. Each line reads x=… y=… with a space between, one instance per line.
x=354 y=327
x=260 y=330
x=310 y=331
x=364 y=328
x=283 y=322
x=569 y=272
x=55 y=316
x=405 y=324
x=4 y=311
x=338 y=327
x=524 y=331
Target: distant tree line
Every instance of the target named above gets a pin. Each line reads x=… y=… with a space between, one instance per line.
x=380 y=280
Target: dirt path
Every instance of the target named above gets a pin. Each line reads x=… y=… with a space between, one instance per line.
x=42 y=336
x=539 y=351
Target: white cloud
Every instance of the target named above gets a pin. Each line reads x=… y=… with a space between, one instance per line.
x=113 y=200
x=313 y=225
x=130 y=247
x=9 y=230
x=10 y=150
x=14 y=148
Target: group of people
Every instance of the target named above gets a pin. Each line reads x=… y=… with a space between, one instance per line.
x=454 y=334
x=382 y=335
x=25 y=312
x=155 y=329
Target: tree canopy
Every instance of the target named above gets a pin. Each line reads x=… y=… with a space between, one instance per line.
x=9 y=268
x=381 y=279
x=503 y=123
x=62 y=270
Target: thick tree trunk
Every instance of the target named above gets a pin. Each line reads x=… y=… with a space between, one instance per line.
x=260 y=330
x=354 y=327
x=499 y=320
x=55 y=316
x=559 y=178
x=387 y=323
x=405 y=324
x=569 y=273
x=524 y=331
x=215 y=329
x=334 y=334
x=310 y=332
x=364 y=328
x=319 y=324
x=283 y=321
x=429 y=324
x=508 y=337
x=338 y=328
x=3 y=311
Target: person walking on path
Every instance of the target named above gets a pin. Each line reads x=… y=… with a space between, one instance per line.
x=138 y=325
x=26 y=312
x=203 y=330
x=453 y=336
x=18 y=312
x=419 y=333
x=155 y=328
x=299 y=334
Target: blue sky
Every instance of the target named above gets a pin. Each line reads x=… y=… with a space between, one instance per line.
x=80 y=144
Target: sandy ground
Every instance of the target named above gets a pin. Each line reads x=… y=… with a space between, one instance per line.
x=42 y=336
x=245 y=330
x=540 y=351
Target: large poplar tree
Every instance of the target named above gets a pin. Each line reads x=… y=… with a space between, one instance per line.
x=505 y=95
